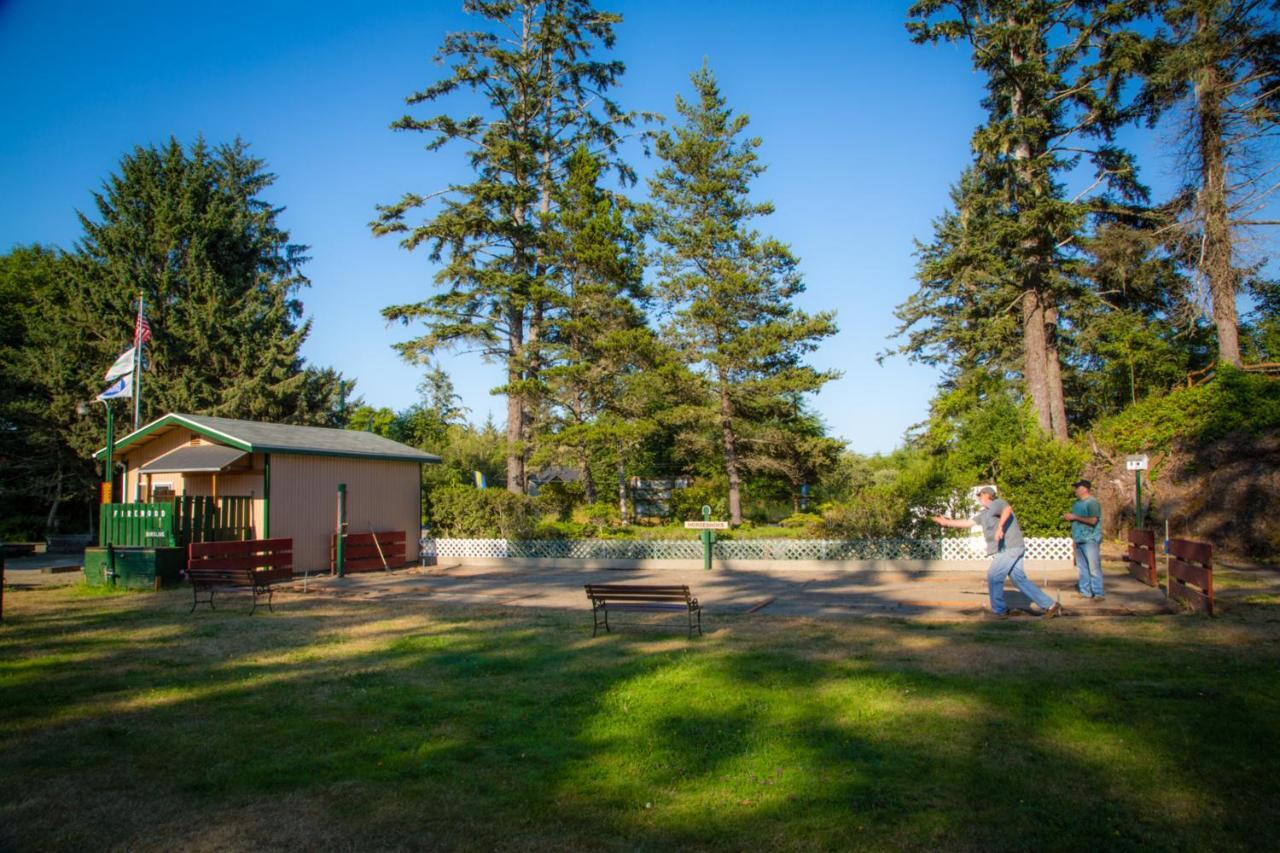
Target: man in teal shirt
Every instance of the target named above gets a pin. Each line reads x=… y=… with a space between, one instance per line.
x=1086 y=533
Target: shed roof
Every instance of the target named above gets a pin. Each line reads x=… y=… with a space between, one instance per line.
x=256 y=437
x=200 y=459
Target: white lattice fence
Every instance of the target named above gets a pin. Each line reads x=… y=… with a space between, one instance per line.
x=743 y=549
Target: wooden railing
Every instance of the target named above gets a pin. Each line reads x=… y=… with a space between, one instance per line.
x=176 y=523
x=207 y=519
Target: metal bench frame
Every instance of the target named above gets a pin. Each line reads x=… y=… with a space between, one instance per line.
x=641 y=598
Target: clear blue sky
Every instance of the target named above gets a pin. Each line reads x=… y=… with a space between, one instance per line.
x=863 y=133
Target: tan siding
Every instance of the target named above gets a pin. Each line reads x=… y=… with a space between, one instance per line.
x=381 y=495
x=139 y=456
x=234 y=484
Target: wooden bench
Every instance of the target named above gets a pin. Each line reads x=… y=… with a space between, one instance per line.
x=67 y=543
x=606 y=596
x=258 y=565
x=1190 y=566
x=370 y=552
x=1140 y=558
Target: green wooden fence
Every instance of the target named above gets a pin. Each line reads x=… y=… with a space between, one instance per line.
x=176 y=523
x=202 y=519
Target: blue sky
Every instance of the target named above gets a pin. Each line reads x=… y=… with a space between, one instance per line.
x=863 y=133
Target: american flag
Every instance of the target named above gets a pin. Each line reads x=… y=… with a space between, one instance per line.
x=141 y=328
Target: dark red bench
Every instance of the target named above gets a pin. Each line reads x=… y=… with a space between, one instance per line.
x=1191 y=566
x=257 y=565
x=1140 y=558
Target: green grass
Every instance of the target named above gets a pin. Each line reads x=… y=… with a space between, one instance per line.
x=126 y=723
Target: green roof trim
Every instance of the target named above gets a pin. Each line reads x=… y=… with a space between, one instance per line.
x=256 y=437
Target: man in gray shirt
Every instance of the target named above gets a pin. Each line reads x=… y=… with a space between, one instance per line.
x=1005 y=544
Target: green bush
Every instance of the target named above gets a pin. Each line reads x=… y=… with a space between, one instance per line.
x=564 y=530
x=465 y=512
x=600 y=513
x=687 y=504
x=1234 y=401
x=1035 y=476
x=875 y=513
x=559 y=499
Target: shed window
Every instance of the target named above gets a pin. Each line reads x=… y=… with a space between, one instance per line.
x=162 y=491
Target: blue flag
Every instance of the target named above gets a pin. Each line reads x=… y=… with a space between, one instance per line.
x=122 y=387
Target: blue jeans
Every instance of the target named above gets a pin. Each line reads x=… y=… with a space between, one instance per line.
x=1089 y=562
x=1009 y=564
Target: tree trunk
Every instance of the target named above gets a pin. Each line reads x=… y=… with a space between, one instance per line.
x=52 y=519
x=1053 y=375
x=1216 y=258
x=622 y=490
x=515 y=402
x=1034 y=359
x=588 y=482
x=730 y=455
x=1043 y=379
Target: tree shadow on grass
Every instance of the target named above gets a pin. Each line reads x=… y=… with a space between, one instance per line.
x=510 y=730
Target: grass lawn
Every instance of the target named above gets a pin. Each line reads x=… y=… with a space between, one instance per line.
x=339 y=723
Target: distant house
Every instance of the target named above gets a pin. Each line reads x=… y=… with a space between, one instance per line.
x=553 y=475
x=290 y=475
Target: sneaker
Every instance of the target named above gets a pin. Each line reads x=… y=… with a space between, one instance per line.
x=1082 y=596
x=991 y=614
x=1055 y=610
x=1099 y=598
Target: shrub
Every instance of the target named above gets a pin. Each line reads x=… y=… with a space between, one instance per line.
x=559 y=499
x=687 y=504
x=1234 y=401
x=1035 y=476
x=468 y=513
x=600 y=513
x=564 y=530
x=866 y=514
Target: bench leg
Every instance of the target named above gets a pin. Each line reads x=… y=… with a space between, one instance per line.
x=195 y=598
x=699 y=621
x=607 y=629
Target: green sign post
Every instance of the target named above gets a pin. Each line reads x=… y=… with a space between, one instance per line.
x=340 y=541
x=708 y=536
x=1137 y=464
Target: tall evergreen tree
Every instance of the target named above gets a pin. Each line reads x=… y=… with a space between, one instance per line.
x=191 y=233
x=44 y=466
x=730 y=288
x=544 y=93
x=597 y=331
x=1217 y=64
x=1054 y=72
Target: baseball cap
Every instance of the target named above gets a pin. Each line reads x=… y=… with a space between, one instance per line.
x=1084 y=483
x=987 y=490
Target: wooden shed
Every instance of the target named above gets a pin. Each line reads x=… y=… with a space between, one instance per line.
x=280 y=480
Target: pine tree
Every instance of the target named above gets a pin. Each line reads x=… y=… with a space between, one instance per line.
x=44 y=442
x=1054 y=76
x=597 y=333
x=190 y=232
x=1218 y=67
x=544 y=94
x=730 y=289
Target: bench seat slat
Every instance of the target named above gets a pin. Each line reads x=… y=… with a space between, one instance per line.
x=680 y=608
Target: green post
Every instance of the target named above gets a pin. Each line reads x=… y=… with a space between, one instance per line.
x=1138 y=479
x=266 y=496
x=340 y=548
x=708 y=538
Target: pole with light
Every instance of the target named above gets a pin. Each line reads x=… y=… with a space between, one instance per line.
x=82 y=409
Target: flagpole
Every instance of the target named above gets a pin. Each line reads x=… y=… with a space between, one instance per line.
x=137 y=366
